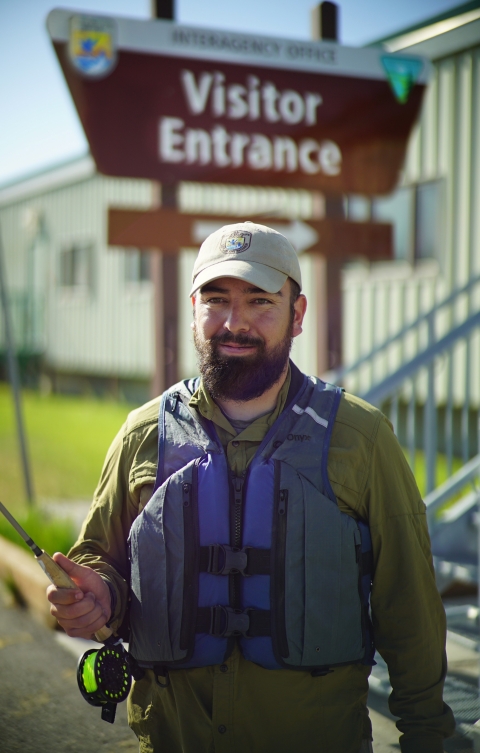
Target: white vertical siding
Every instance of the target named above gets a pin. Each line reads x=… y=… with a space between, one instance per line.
x=445 y=145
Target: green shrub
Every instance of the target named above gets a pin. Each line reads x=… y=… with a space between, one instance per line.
x=50 y=534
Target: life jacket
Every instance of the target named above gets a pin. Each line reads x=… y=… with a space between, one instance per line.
x=266 y=559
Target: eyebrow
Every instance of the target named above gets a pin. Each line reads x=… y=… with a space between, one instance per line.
x=209 y=288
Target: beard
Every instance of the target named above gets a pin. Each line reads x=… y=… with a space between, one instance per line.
x=241 y=378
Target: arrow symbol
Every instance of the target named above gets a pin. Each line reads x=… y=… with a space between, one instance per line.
x=301 y=235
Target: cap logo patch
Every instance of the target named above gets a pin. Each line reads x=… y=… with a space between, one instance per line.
x=235 y=243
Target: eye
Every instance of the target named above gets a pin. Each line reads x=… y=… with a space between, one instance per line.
x=214 y=300
x=261 y=301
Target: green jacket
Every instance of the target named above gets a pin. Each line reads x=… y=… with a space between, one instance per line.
x=238 y=706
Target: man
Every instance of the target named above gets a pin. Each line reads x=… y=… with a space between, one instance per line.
x=243 y=568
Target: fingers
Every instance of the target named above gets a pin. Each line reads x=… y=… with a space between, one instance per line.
x=80 y=619
x=85 y=578
x=84 y=610
x=64 y=595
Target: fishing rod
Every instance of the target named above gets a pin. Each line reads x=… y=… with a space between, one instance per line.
x=104 y=675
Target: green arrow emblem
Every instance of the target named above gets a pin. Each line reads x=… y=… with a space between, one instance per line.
x=402 y=73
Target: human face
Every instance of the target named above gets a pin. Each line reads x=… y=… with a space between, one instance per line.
x=243 y=336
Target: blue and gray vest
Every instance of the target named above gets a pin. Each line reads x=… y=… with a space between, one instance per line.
x=266 y=559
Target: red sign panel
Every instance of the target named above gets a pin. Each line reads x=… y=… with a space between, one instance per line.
x=158 y=106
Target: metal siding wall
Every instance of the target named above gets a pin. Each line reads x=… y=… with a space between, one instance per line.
x=444 y=145
x=304 y=350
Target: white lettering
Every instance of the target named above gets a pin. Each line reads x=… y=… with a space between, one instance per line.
x=312 y=101
x=218 y=100
x=260 y=153
x=170 y=140
x=330 y=158
x=253 y=98
x=305 y=149
x=291 y=106
x=196 y=95
x=239 y=142
x=198 y=146
x=270 y=95
x=220 y=140
x=285 y=154
x=237 y=105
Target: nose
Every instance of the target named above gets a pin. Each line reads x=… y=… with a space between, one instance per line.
x=237 y=319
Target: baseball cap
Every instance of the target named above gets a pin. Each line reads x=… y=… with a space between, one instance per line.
x=251 y=252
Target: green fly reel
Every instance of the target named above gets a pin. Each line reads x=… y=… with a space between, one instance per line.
x=104 y=678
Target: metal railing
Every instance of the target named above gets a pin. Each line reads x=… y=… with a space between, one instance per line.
x=433 y=396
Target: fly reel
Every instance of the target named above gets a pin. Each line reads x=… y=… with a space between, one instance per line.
x=104 y=678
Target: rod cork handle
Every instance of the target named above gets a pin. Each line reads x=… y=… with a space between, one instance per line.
x=60 y=579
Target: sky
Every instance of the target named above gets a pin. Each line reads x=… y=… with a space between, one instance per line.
x=38 y=122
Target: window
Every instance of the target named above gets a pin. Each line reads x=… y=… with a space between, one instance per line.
x=76 y=266
x=398 y=209
x=137 y=266
x=428 y=220
x=416 y=214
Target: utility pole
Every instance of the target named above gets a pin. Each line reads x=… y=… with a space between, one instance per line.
x=14 y=379
x=165 y=271
x=325 y=27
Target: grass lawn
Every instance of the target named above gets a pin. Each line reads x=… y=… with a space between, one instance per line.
x=68 y=438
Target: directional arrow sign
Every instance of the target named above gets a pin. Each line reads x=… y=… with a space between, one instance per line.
x=168 y=230
x=300 y=235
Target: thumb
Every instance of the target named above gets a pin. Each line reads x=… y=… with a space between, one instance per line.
x=83 y=576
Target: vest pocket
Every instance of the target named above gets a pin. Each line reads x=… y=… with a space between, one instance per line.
x=156 y=545
x=322 y=615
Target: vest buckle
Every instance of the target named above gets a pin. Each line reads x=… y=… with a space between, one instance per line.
x=226 y=622
x=227 y=560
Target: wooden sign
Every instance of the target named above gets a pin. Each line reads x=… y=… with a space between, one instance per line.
x=168 y=102
x=168 y=230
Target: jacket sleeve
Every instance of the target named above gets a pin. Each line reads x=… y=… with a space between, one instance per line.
x=129 y=466
x=408 y=614
x=407 y=611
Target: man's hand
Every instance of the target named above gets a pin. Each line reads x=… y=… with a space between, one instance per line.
x=84 y=610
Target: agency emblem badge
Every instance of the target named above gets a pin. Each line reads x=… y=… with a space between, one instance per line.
x=402 y=73
x=235 y=243
x=92 y=45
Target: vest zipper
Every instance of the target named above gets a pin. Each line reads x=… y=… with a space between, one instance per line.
x=277 y=567
x=238 y=483
x=191 y=560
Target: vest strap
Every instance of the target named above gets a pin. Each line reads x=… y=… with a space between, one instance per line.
x=220 y=559
x=226 y=622
x=366 y=560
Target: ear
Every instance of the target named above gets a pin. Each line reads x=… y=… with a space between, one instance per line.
x=192 y=323
x=299 y=307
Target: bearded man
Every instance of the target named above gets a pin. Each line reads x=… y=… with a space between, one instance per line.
x=259 y=534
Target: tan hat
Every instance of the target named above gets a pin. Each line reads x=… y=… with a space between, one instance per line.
x=248 y=251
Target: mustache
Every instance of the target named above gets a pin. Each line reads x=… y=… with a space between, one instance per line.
x=239 y=339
